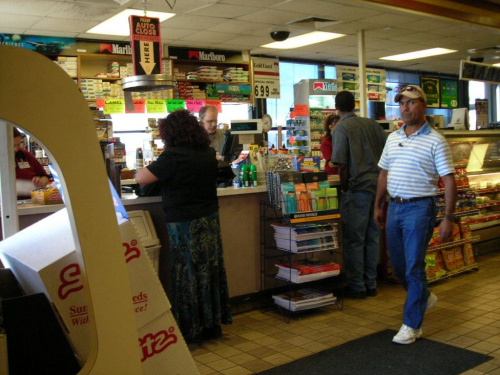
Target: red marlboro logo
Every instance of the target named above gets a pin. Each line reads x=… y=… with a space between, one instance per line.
x=106 y=47
x=194 y=55
x=318 y=85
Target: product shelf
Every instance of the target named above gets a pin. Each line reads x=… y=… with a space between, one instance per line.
x=452 y=244
x=468 y=268
x=489 y=204
x=487 y=190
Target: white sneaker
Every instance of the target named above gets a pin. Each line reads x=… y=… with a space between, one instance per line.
x=407 y=335
x=431 y=300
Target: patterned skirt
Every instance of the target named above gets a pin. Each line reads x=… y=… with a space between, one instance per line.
x=200 y=292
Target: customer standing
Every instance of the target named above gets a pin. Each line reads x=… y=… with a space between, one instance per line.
x=30 y=174
x=358 y=143
x=326 y=144
x=413 y=159
x=187 y=172
x=209 y=120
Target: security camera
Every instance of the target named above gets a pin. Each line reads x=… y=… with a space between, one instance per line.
x=280 y=36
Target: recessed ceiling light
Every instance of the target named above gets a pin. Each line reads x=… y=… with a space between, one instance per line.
x=419 y=54
x=304 y=40
x=118 y=24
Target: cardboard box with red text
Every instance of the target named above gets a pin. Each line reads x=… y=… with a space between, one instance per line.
x=43 y=259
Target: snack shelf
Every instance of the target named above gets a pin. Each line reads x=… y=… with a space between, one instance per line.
x=460 y=214
x=487 y=190
x=489 y=204
x=484 y=219
x=470 y=267
x=452 y=244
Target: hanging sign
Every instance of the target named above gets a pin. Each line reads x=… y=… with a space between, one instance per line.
x=481 y=113
x=114 y=106
x=139 y=106
x=431 y=89
x=194 y=105
x=301 y=110
x=449 y=93
x=215 y=103
x=175 y=104
x=266 y=77
x=156 y=106
x=146 y=45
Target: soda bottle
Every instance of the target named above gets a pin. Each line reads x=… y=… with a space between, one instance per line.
x=253 y=175
x=246 y=176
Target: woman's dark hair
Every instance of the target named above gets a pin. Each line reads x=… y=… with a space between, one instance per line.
x=17 y=133
x=344 y=101
x=181 y=128
x=330 y=120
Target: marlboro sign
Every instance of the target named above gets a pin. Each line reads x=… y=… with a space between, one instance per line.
x=146 y=45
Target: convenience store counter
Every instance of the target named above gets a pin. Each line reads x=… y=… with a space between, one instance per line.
x=239 y=217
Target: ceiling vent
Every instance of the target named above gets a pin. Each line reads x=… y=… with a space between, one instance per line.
x=315 y=22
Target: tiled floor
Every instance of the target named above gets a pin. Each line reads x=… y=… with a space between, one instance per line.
x=467 y=315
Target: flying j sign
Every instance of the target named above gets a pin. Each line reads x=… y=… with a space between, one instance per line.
x=146 y=45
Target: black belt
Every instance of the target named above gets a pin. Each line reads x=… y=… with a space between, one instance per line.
x=409 y=200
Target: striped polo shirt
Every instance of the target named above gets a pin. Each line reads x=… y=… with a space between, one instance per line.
x=415 y=163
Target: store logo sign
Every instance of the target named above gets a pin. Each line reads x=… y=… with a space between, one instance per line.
x=325 y=86
x=115 y=48
x=202 y=56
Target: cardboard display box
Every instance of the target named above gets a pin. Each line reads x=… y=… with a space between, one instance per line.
x=43 y=258
x=46 y=196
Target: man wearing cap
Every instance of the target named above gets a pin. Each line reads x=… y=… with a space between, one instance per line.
x=413 y=159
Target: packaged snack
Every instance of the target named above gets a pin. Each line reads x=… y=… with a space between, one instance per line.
x=468 y=254
x=465 y=231
x=449 y=259
x=459 y=258
x=435 y=239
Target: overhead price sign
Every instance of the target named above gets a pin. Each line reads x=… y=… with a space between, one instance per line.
x=146 y=45
x=266 y=77
x=474 y=71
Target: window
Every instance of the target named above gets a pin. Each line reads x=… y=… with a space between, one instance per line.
x=290 y=73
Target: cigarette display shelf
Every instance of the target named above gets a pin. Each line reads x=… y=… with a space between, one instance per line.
x=285 y=288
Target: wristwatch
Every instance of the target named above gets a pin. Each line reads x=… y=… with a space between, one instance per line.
x=450 y=217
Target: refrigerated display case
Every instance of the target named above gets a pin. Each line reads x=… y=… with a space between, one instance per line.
x=314 y=100
x=478 y=153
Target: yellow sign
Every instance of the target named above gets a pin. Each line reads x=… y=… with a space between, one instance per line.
x=156 y=106
x=114 y=106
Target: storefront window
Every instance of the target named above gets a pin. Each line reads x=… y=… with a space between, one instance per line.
x=477 y=90
x=290 y=73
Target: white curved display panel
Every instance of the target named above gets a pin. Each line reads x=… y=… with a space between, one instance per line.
x=40 y=98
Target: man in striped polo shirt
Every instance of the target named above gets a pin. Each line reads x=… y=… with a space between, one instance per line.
x=413 y=159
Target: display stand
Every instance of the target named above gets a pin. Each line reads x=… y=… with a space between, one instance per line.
x=30 y=84
x=292 y=293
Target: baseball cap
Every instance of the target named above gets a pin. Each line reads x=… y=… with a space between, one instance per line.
x=412 y=92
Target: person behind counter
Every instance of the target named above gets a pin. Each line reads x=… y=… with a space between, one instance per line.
x=326 y=144
x=209 y=120
x=30 y=174
x=187 y=172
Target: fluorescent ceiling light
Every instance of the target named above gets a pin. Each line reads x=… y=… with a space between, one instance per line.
x=304 y=40
x=419 y=54
x=497 y=64
x=118 y=24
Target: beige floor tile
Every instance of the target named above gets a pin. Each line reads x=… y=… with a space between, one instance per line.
x=277 y=359
x=467 y=316
x=237 y=370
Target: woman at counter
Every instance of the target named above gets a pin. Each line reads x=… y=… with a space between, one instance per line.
x=187 y=172
x=326 y=144
x=30 y=174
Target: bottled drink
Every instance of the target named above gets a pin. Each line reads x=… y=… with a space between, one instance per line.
x=253 y=175
x=139 y=159
x=246 y=176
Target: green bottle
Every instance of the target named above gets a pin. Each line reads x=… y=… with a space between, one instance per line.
x=245 y=169
x=253 y=175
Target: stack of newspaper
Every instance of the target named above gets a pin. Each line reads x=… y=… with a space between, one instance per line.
x=306 y=270
x=306 y=237
x=304 y=299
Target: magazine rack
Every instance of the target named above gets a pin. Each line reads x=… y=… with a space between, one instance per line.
x=289 y=271
x=41 y=99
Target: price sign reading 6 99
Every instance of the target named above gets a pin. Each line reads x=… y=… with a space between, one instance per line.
x=261 y=91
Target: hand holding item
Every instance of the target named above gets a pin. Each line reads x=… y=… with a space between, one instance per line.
x=40 y=181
